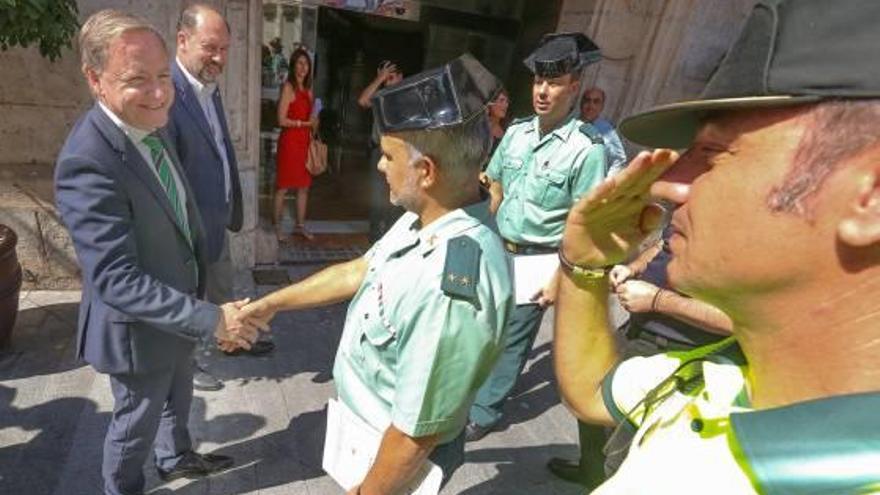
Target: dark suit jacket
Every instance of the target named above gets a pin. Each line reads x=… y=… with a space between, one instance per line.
x=202 y=162
x=140 y=309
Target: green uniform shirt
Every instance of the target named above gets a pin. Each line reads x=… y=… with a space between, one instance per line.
x=697 y=432
x=543 y=177
x=425 y=328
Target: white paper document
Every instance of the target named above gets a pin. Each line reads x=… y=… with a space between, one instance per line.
x=531 y=272
x=351 y=445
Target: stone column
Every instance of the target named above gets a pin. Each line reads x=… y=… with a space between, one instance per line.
x=654 y=51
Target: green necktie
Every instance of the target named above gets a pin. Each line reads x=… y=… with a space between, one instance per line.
x=163 y=167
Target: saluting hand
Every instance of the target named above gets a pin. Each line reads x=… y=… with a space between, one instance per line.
x=604 y=226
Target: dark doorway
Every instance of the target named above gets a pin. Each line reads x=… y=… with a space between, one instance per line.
x=350 y=47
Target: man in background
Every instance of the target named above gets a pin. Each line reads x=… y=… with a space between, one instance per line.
x=200 y=134
x=382 y=213
x=592 y=105
x=543 y=164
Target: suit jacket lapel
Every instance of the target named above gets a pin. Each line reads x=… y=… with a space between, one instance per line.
x=191 y=104
x=131 y=157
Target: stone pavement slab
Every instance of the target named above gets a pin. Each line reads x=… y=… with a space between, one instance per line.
x=269 y=416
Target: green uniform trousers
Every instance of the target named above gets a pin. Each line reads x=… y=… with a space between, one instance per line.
x=521 y=332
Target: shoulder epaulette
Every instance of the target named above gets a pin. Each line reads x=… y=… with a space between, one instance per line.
x=461 y=273
x=591 y=132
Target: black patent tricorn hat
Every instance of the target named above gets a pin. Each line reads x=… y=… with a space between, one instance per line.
x=789 y=52
x=562 y=53
x=446 y=96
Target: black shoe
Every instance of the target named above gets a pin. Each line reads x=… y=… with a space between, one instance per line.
x=258 y=348
x=206 y=382
x=474 y=432
x=195 y=465
x=572 y=471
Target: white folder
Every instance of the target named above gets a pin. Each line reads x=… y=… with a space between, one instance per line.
x=351 y=445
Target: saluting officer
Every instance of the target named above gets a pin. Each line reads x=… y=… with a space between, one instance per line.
x=543 y=164
x=432 y=297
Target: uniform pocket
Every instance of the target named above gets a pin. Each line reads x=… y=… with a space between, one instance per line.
x=379 y=334
x=552 y=188
x=512 y=163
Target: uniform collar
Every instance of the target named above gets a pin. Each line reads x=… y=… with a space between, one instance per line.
x=828 y=445
x=452 y=224
x=562 y=131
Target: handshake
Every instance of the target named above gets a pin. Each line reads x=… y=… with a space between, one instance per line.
x=241 y=323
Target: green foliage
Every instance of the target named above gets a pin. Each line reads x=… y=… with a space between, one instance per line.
x=51 y=23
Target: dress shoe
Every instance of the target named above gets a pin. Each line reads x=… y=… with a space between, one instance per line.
x=258 y=348
x=195 y=465
x=474 y=432
x=206 y=382
x=571 y=470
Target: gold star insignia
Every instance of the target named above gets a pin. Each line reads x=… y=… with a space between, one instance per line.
x=452 y=277
x=465 y=281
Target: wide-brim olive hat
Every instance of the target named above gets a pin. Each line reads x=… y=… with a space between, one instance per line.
x=790 y=52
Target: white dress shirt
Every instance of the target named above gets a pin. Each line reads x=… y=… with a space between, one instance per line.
x=205 y=95
x=137 y=137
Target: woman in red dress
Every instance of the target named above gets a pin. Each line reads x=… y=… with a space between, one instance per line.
x=297 y=122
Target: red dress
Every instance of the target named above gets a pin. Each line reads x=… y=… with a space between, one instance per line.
x=293 y=146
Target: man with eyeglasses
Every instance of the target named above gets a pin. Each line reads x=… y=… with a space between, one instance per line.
x=776 y=223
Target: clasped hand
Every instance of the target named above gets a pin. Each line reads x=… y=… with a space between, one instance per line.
x=237 y=328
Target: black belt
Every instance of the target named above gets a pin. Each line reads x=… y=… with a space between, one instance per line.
x=515 y=248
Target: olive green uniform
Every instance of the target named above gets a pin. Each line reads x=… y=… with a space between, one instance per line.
x=542 y=177
x=425 y=328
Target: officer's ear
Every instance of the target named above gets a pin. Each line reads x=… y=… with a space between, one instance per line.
x=860 y=225
x=428 y=172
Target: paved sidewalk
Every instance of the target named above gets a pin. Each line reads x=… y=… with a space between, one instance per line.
x=270 y=415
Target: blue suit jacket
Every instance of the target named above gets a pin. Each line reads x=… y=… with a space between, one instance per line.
x=200 y=158
x=140 y=310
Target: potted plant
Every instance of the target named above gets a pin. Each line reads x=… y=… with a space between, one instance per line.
x=10 y=283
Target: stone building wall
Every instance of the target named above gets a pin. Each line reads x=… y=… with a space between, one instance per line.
x=40 y=101
x=654 y=51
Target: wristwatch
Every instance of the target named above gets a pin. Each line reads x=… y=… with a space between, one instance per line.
x=582 y=273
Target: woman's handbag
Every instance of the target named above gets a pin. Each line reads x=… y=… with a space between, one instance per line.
x=316 y=163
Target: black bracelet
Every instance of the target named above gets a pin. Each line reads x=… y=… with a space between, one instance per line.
x=654 y=300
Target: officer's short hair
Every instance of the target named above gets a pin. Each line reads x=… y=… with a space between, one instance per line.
x=836 y=130
x=459 y=150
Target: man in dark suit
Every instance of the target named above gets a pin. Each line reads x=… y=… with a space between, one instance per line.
x=197 y=126
x=141 y=247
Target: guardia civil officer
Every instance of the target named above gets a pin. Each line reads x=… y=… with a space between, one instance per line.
x=431 y=299
x=542 y=166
